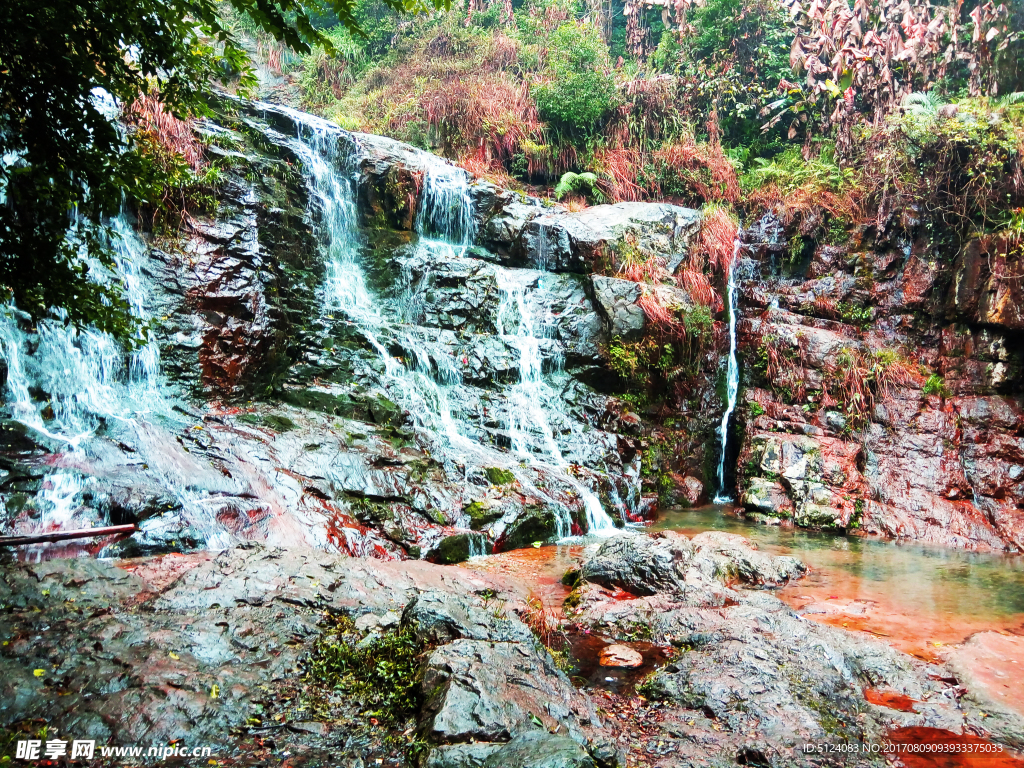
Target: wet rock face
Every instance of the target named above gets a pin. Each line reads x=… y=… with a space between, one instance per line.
x=937 y=459
x=986 y=289
x=243 y=282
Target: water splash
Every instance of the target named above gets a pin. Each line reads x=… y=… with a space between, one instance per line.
x=732 y=375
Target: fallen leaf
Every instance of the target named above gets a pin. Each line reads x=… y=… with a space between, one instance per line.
x=38 y=672
x=173 y=655
x=214 y=692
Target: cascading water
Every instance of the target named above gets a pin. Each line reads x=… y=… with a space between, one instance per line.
x=445 y=226
x=84 y=372
x=531 y=400
x=89 y=378
x=732 y=377
x=346 y=290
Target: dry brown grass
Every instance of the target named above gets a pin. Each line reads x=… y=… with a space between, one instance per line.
x=807 y=202
x=632 y=172
x=620 y=166
x=148 y=117
x=699 y=288
x=716 y=241
x=542 y=621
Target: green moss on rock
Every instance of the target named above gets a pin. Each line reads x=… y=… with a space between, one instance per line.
x=499 y=476
x=537 y=524
x=481 y=514
x=460 y=547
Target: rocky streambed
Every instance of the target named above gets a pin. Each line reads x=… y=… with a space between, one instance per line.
x=233 y=650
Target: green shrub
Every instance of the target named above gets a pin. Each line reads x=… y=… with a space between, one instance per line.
x=935 y=385
x=789 y=171
x=581 y=184
x=578 y=91
x=732 y=58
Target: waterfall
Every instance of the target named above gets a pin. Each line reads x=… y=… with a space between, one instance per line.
x=87 y=377
x=531 y=400
x=732 y=375
x=446 y=228
x=446 y=209
x=86 y=373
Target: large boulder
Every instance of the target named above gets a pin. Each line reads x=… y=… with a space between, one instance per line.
x=591 y=239
x=728 y=557
x=531 y=749
x=640 y=564
x=479 y=690
x=670 y=562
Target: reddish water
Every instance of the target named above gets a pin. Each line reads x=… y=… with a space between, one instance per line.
x=585 y=651
x=918 y=598
x=540 y=568
x=920 y=747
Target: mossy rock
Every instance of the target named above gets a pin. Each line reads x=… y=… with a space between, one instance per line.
x=369 y=511
x=481 y=514
x=499 y=476
x=385 y=412
x=324 y=402
x=572 y=577
x=459 y=548
x=537 y=524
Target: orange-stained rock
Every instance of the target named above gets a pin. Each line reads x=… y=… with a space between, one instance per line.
x=620 y=656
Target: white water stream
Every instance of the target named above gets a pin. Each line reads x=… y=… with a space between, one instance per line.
x=732 y=376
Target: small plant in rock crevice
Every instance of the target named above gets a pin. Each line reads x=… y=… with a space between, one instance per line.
x=384 y=672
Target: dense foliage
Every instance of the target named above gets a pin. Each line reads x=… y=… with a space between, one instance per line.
x=577 y=90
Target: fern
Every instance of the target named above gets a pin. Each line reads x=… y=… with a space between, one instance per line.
x=922 y=104
x=581 y=184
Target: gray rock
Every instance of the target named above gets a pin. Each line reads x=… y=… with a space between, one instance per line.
x=581 y=242
x=461 y=755
x=767 y=497
x=617 y=301
x=540 y=749
x=729 y=556
x=490 y=691
x=640 y=564
x=439 y=617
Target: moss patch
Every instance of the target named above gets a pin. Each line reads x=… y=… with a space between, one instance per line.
x=384 y=673
x=499 y=476
x=538 y=524
x=481 y=515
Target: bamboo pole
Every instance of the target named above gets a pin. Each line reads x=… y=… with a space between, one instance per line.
x=81 y=533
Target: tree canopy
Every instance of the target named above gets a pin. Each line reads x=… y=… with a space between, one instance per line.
x=66 y=164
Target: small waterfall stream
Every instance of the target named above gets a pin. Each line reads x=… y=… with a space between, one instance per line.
x=732 y=376
x=90 y=380
x=532 y=399
x=87 y=374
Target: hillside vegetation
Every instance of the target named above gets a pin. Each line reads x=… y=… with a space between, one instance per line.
x=843 y=113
